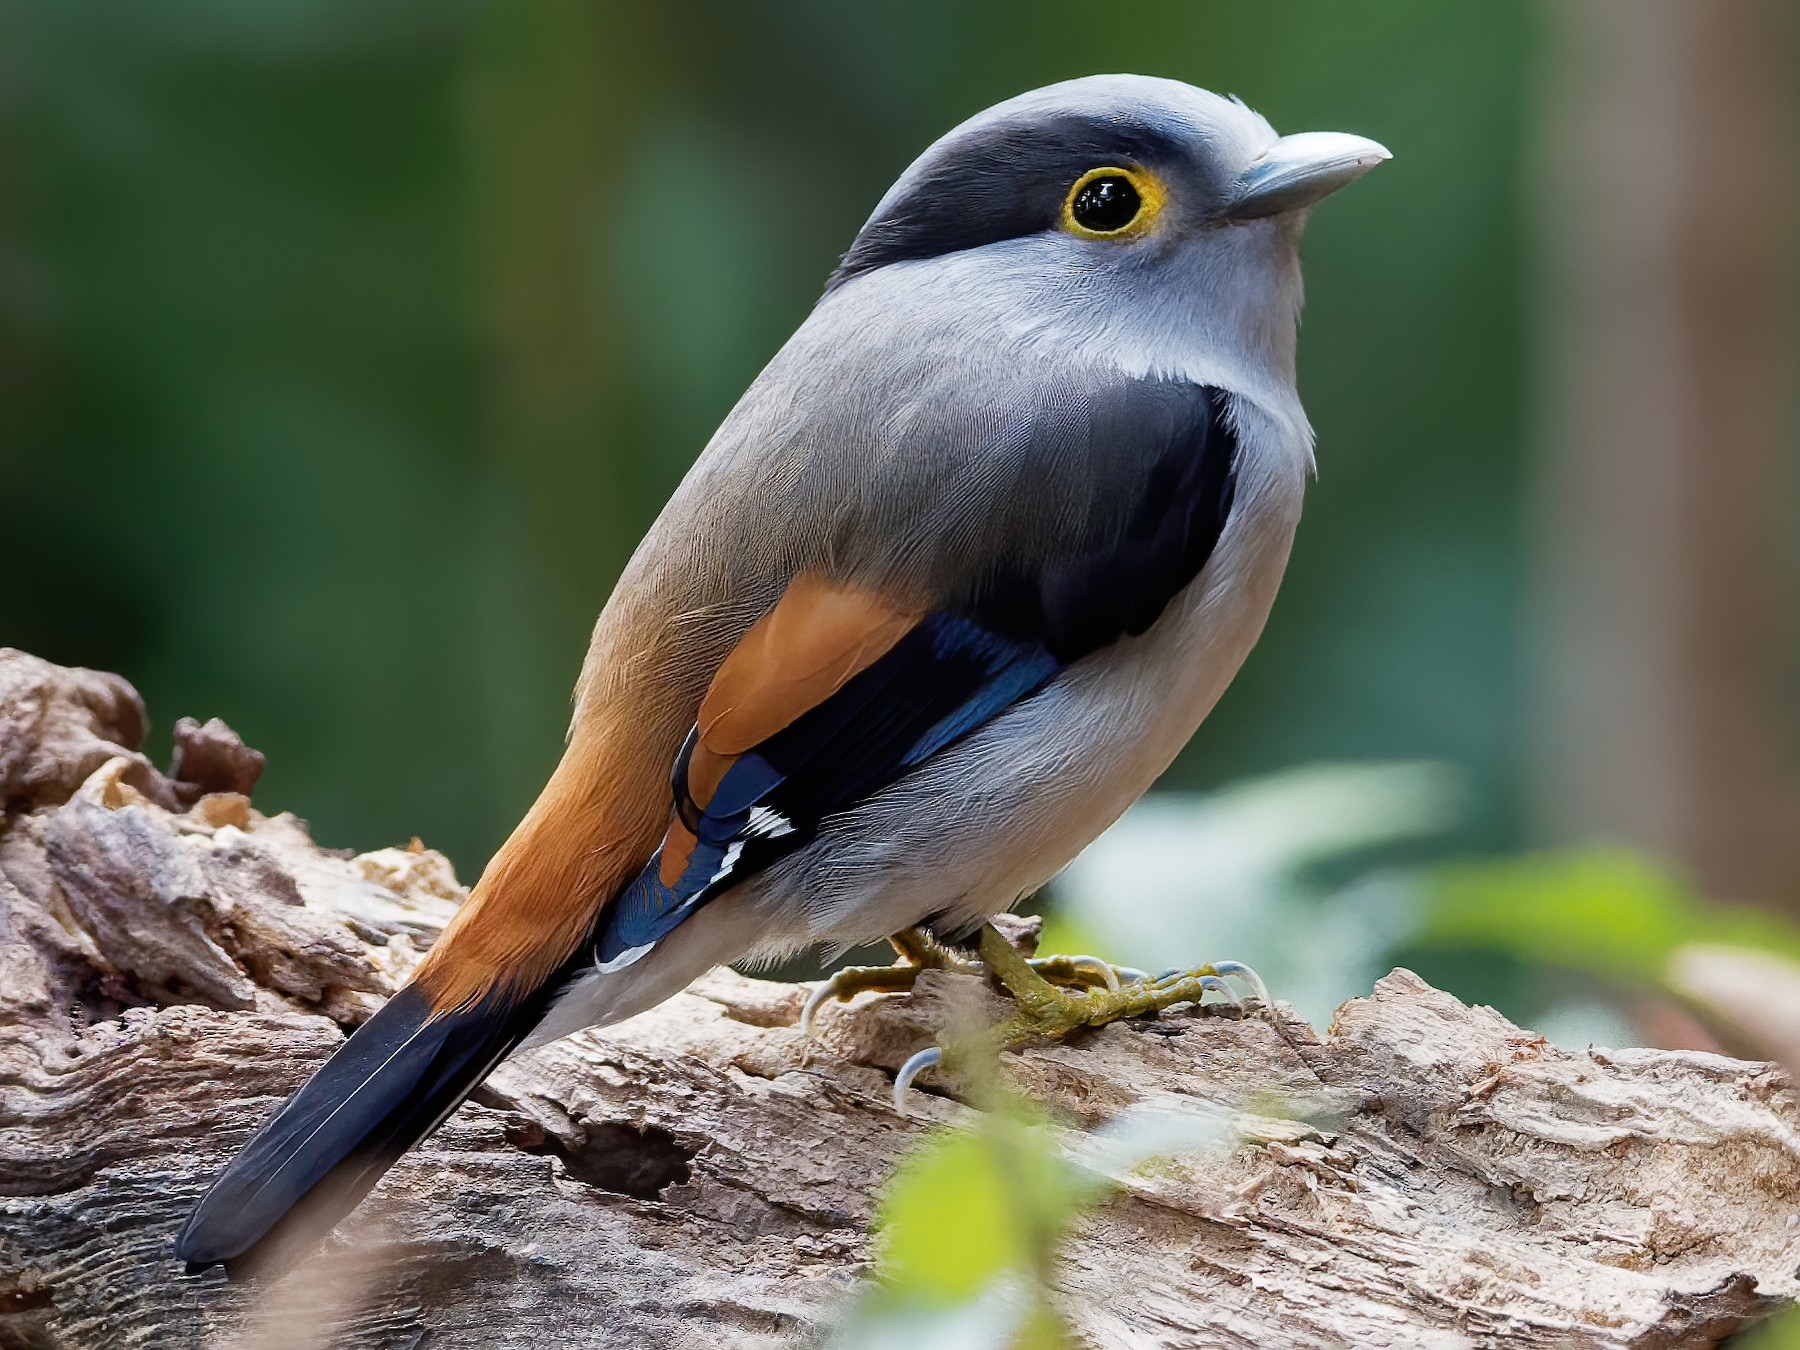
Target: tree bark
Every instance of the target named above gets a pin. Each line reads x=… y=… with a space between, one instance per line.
x=173 y=963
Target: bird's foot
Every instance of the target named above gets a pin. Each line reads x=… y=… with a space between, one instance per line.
x=1045 y=1011
x=920 y=951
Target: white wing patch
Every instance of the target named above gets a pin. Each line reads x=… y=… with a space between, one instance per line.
x=768 y=823
x=623 y=959
x=732 y=854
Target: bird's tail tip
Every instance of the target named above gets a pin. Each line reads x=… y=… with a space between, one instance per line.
x=397 y=1077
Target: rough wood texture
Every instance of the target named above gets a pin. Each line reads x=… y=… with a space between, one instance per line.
x=172 y=963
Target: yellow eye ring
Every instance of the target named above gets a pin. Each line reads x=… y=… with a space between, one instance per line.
x=1111 y=202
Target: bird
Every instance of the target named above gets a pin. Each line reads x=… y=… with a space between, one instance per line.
x=948 y=589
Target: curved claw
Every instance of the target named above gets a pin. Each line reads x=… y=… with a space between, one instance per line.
x=910 y=1070
x=1218 y=986
x=845 y=984
x=819 y=997
x=1249 y=977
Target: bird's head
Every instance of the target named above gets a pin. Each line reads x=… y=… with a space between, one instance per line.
x=1143 y=202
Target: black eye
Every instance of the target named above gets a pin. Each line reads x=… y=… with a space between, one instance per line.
x=1106 y=204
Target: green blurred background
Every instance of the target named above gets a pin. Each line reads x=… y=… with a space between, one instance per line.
x=346 y=349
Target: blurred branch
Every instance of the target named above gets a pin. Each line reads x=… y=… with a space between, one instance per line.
x=1666 y=308
x=172 y=962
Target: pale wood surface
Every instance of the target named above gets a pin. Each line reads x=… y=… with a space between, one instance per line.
x=173 y=962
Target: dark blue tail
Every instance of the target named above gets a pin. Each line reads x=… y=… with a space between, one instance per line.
x=391 y=1084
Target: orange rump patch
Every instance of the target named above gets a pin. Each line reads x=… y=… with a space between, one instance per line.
x=817 y=637
x=794 y=658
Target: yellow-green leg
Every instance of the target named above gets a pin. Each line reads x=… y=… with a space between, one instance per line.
x=919 y=950
x=1046 y=1011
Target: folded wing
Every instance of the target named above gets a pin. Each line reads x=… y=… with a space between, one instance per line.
x=838 y=691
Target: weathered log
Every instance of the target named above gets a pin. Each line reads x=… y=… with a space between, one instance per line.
x=173 y=963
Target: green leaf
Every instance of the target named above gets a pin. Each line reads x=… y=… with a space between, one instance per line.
x=1608 y=911
x=1781 y=1332
x=971 y=1205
